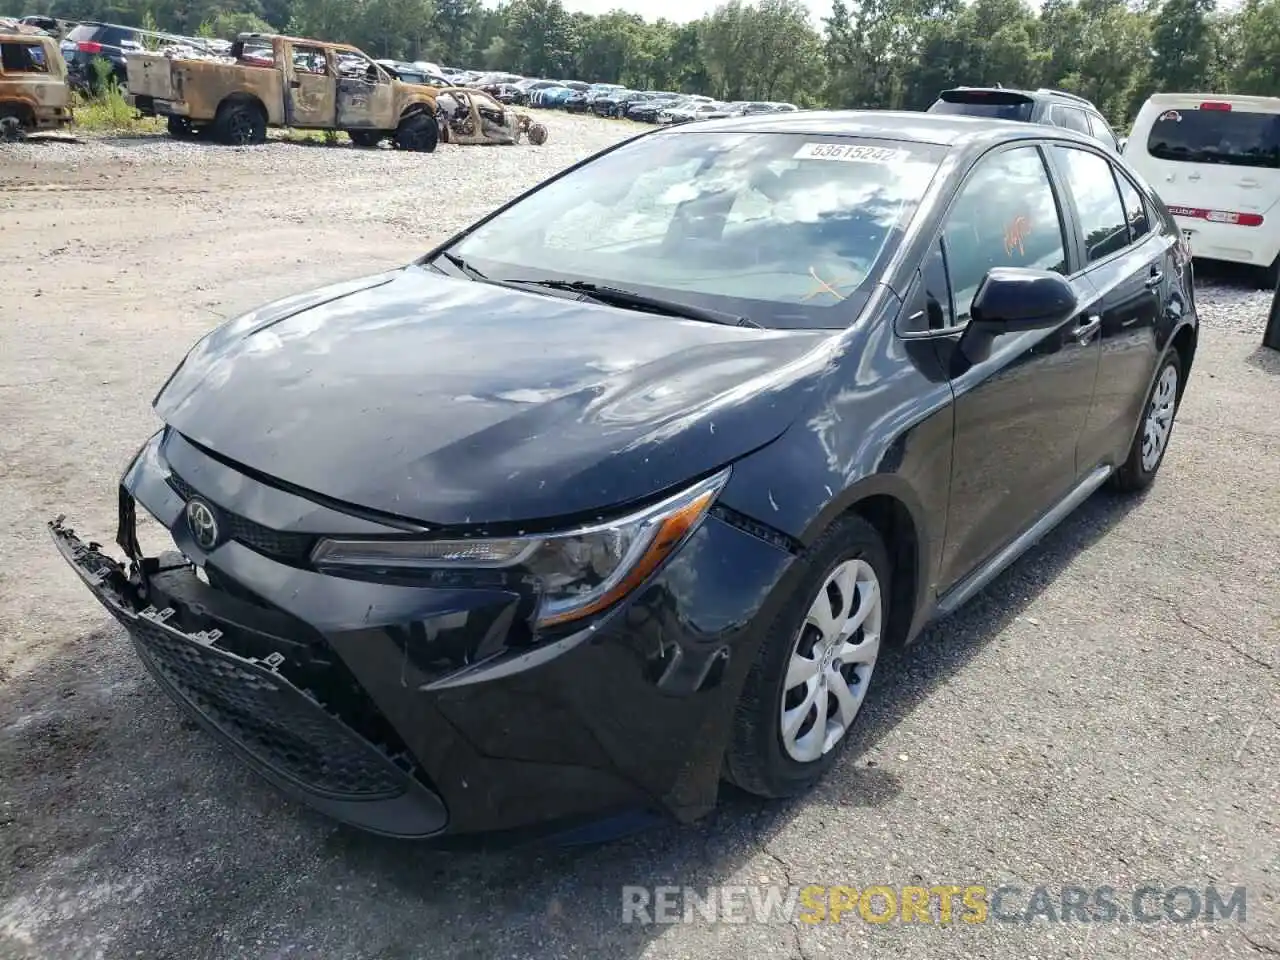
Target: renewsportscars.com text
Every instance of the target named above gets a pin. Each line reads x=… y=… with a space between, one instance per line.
x=938 y=904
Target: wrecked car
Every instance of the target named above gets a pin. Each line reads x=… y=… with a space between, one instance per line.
x=34 y=93
x=470 y=116
x=269 y=80
x=620 y=492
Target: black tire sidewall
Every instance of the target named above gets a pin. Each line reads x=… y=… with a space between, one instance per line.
x=757 y=760
x=419 y=124
x=1133 y=475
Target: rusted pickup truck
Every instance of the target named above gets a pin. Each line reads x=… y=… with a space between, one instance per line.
x=276 y=81
x=34 y=94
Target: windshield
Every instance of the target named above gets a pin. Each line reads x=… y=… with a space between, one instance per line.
x=996 y=108
x=786 y=229
x=1235 y=137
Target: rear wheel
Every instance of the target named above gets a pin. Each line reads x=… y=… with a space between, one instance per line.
x=537 y=134
x=813 y=670
x=182 y=128
x=240 y=124
x=13 y=123
x=419 y=133
x=1152 y=439
x=366 y=138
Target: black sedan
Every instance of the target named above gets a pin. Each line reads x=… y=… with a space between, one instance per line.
x=623 y=490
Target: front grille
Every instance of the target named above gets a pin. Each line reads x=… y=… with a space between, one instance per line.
x=282 y=727
x=289 y=547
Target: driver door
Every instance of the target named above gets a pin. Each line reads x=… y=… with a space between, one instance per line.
x=365 y=99
x=310 y=88
x=1020 y=411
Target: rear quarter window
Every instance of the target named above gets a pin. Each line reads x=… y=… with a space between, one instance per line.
x=1235 y=137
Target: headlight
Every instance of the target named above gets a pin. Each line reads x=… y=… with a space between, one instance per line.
x=578 y=573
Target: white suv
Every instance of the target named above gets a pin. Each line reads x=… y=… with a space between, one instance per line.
x=1215 y=161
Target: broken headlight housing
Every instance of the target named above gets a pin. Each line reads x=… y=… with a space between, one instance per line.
x=578 y=572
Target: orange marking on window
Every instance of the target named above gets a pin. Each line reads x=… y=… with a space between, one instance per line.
x=1015 y=234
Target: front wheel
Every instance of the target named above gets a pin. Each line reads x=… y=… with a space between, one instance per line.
x=419 y=133
x=1146 y=453
x=810 y=678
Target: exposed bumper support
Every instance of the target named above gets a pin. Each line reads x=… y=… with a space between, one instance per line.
x=281 y=731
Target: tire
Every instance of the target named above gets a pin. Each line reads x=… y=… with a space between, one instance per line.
x=181 y=128
x=761 y=759
x=240 y=124
x=1271 y=335
x=366 y=138
x=13 y=124
x=1270 y=276
x=1141 y=465
x=419 y=133
x=537 y=134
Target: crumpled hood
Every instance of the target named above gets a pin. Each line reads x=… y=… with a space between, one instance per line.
x=456 y=402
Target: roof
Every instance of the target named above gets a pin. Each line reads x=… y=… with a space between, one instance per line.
x=937 y=128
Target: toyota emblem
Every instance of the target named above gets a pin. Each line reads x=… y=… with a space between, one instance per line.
x=203 y=524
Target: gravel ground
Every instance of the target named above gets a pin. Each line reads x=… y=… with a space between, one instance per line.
x=1105 y=713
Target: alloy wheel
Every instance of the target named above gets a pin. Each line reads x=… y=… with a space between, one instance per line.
x=831 y=663
x=1159 y=420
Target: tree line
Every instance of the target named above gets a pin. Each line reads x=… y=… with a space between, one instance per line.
x=868 y=53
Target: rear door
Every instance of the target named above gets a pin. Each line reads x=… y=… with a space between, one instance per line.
x=1132 y=268
x=1216 y=165
x=1019 y=413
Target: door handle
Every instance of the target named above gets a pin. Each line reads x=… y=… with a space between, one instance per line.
x=1247 y=182
x=295 y=84
x=1155 y=279
x=1085 y=331
x=1193 y=176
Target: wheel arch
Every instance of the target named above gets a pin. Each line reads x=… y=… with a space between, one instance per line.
x=888 y=503
x=242 y=98
x=1184 y=341
x=419 y=105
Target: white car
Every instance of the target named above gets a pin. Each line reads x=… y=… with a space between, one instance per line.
x=691 y=111
x=1215 y=161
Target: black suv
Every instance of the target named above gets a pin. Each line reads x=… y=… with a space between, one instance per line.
x=91 y=41
x=1055 y=107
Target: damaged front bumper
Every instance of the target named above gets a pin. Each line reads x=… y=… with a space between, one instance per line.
x=421 y=710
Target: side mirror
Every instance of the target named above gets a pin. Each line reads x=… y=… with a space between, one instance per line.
x=1015 y=300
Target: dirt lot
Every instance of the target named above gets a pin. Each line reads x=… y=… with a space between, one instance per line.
x=1105 y=714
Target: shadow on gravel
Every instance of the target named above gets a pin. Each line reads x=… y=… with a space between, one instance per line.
x=1265 y=359
x=125 y=830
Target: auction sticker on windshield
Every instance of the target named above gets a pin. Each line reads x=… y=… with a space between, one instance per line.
x=853 y=152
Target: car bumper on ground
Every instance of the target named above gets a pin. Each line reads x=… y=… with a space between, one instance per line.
x=423 y=711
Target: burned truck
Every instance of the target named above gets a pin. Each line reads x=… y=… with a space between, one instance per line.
x=269 y=80
x=34 y=94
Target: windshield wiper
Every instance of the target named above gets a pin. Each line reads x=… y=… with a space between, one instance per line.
x=462 y=265
x=617 y=297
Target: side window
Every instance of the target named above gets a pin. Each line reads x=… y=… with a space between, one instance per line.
x=1098 y=127
x=1005 y=216
x=1135 y=211
x=23 y=58
x=930 y=300
x=1102 y=215
x=1071 y=118
x=310 y=60
x=937 y=289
